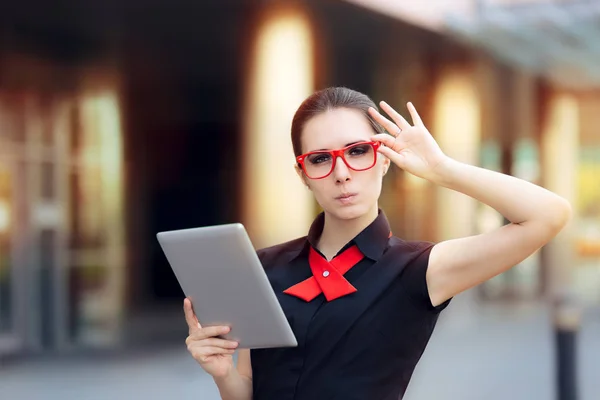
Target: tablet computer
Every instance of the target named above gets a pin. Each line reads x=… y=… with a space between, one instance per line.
x=218 y=269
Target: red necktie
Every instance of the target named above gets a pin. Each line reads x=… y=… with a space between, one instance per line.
x=328 y=276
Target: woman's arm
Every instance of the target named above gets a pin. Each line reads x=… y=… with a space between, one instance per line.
x=238 y=384
x=536 y=215
x=215 y=356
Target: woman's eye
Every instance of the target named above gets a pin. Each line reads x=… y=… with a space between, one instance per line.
x=358 y=150
x=318 y=159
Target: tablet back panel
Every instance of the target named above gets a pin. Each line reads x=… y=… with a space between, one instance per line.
x=219 y=270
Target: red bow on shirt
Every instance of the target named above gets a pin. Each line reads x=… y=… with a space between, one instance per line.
x=328 y=276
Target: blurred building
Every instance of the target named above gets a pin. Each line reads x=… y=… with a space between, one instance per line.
x=119 y=120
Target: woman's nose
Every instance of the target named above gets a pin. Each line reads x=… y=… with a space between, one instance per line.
x=341 y=172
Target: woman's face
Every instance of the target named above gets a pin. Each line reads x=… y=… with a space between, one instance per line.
x=332 y=130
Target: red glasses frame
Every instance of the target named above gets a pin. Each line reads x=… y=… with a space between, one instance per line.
x=338 y=153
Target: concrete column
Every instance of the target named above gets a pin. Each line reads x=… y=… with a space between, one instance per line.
x=456 y=123
x=560 y=149
x=276 y=205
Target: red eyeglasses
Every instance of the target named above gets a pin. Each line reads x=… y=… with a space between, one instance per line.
x=320 y=164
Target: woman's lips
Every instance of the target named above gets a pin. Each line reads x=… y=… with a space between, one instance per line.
x=346 y=198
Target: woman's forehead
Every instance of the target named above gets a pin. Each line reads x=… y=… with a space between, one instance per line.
x=334 y=129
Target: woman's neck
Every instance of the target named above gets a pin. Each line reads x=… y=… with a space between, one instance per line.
x=337 y=232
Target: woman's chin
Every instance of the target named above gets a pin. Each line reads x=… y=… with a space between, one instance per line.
x=348 y=211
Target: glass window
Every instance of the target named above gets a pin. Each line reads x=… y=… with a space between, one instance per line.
x=5 y=257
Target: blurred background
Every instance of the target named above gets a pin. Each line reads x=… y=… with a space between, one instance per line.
x=122 y=119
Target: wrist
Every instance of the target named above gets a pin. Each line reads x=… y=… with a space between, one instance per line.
x=444 y=172
x=229 y=376
x=234 y=385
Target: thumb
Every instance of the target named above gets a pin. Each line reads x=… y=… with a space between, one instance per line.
x=190 y=316
x=395 y=157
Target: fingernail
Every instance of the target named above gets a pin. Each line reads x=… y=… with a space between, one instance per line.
x=225 y=329
x=199 y=327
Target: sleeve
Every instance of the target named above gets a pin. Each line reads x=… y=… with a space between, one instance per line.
x=414 y=279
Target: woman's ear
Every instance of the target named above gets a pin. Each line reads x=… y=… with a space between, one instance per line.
x=301 y=176
x=386 y=166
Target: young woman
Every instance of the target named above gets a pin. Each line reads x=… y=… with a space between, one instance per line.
x=362 y=302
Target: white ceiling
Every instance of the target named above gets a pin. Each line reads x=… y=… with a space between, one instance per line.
x=558 y=39
x=429 y=14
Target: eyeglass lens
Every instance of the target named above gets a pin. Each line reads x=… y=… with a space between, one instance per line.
x=358 y=157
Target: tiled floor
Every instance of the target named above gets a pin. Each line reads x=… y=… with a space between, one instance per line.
x=491 y=352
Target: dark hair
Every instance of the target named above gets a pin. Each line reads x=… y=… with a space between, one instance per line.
x=330 y=99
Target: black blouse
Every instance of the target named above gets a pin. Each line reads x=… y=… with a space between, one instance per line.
x=364 y=345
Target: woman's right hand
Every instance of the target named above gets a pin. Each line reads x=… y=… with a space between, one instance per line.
x=215 y=355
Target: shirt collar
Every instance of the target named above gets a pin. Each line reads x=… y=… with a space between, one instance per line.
x=372 y=241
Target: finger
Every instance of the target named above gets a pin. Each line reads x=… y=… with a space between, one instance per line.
x=190 y=317
x=212 y=342
x=387 y=140
x=211 y=331
x=414 y=115
x=388 y=125
x=398 y=119
x=211 y=351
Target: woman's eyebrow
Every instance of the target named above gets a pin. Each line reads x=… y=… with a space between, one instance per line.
x=346 y=145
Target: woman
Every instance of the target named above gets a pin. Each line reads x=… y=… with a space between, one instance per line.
x=363 y=303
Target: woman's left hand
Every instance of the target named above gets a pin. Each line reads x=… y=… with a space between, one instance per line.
x=410 y=147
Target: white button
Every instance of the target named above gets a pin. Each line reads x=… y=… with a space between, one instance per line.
x=325 y=274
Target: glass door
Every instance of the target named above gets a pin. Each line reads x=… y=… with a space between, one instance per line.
x=62 y=235
x=8 y=333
